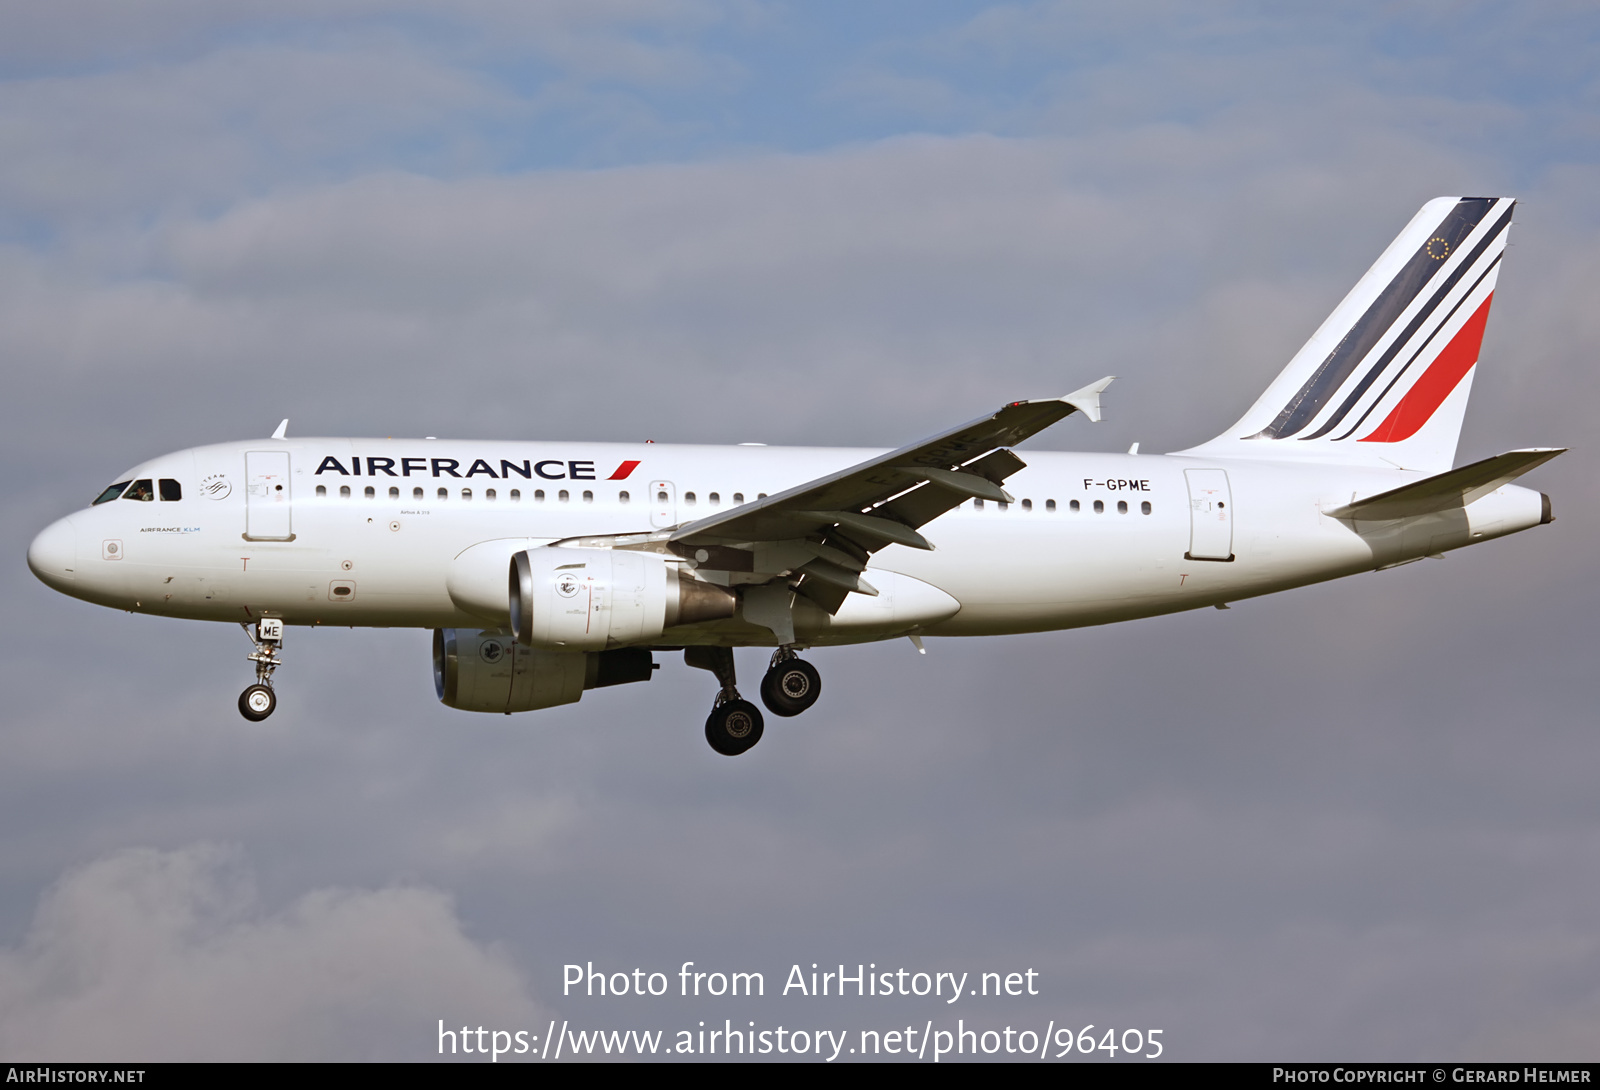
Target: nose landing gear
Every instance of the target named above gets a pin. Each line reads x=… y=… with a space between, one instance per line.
x=259 y=701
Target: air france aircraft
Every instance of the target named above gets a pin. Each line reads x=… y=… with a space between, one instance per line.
x=547 y=569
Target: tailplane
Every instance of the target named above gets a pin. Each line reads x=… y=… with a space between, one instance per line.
x=1385 y=380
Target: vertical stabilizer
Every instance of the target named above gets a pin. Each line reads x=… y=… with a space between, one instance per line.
x=1385 y=380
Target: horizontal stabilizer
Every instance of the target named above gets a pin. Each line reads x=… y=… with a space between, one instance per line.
x=1457 y=488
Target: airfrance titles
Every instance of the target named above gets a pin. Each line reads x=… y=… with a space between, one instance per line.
x=551 y=469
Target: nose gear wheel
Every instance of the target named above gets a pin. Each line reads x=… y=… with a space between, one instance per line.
x=259 y=701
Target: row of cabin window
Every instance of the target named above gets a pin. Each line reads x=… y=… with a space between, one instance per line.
x=1072 y=505
x=713 y=498
x=563 y=496
x=515 y=495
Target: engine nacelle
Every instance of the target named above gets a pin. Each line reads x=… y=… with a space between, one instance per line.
x=590 y=599
x=489 y=672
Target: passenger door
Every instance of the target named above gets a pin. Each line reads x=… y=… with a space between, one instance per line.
x=268 y=505
x=1210 y=515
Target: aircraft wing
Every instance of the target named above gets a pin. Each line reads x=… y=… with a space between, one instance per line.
x=825 y=529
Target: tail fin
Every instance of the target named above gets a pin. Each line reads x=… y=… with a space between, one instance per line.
x=1385 y=380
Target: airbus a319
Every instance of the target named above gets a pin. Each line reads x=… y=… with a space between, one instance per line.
x=547 y=569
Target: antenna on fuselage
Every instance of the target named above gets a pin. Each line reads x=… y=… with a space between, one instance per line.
x=283 y=429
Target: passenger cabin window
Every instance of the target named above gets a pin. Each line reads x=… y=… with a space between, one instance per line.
x=444 y=494
x=111 y=493
x=622 y=497
x=715 y=498
x=1099 y=507
x=394 y=493
x=688 y=498
x=1145 y=507
x=538 y=495
x=563 y=495
x=1027 y=505
x=171 y=489
x=142 y=490
x=371 y=493
x=466 y=493
x=322 y=490
x=344 y=492
x=488 y=494
x=738 y=497
x=416 y=493
x=1122 y=507
x=516 y=495
x=588 y=497
x=1075 y=505
x=977 y=505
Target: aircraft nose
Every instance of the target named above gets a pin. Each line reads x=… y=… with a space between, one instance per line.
x=54 y=554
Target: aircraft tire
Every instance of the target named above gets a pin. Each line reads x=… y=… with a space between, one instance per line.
x=257 y=702
x=791 y=687
x=733 y=727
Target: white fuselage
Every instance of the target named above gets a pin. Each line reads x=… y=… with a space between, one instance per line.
x=1051 y=560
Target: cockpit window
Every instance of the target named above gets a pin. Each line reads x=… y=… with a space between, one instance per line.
x=142 y=489
x=111 y=493
x=171 y=489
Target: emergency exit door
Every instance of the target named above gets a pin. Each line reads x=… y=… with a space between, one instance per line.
x=663 y=504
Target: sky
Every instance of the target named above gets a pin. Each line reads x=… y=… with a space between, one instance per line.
x=1354 y=820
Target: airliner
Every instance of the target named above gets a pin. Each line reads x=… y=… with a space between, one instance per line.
x=546 y=569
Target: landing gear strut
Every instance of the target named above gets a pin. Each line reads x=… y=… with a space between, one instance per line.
x=258 y=701
x=734 y=724
x=791 y=684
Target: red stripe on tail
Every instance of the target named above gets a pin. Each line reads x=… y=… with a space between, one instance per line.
x=1441 y=377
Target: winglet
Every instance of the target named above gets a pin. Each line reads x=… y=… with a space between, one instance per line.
x=283 y=429
x=1087 y=400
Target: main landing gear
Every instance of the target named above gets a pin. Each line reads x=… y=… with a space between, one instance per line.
x=258 y=701
x=790 y=686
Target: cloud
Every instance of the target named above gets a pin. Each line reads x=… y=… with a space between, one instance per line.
x=171 y=956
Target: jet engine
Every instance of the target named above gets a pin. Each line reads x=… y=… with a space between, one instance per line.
x=591 y=599
x=489 y=671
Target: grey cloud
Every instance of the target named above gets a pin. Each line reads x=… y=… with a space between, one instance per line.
x=148 y=955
